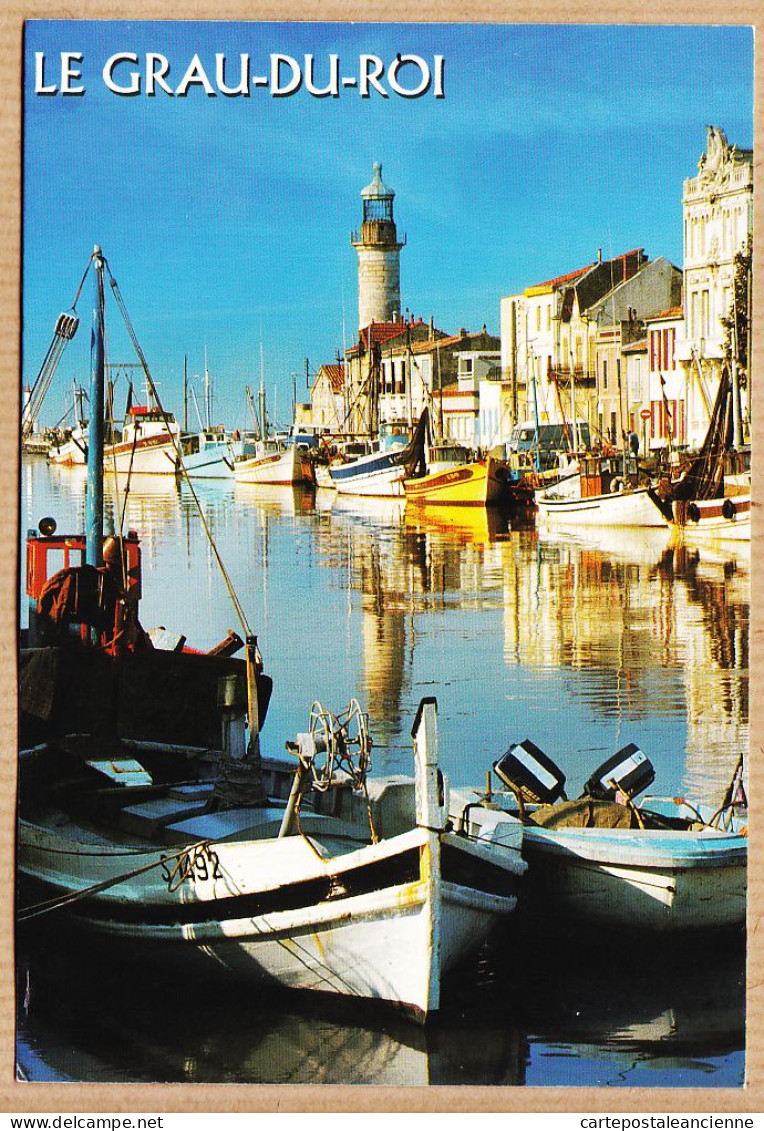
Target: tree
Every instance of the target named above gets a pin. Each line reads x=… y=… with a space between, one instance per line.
x=736 y=324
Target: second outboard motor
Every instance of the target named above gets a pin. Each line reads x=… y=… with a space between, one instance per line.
x=629 y=771
x=532 y=776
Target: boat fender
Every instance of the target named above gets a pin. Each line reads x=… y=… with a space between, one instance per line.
x=616 y=485
x=728 y=508
x=693 y=512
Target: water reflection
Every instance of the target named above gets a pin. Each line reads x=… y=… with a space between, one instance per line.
x=525 y=1011
x=155 y=1031
x=582 y=643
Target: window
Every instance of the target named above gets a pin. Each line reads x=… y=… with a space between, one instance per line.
x=538 y=317
x=704 y=313
x=604 y=373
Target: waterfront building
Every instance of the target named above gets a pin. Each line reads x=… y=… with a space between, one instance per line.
x=378 y=247
x=548 y=340
x=717 y=209
x=385 y=385
x=637 y=384
x=465 y=362
x=328 y=400
x=668 y=392
x=618 y=320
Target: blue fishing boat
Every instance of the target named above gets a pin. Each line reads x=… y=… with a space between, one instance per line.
x=383 y=470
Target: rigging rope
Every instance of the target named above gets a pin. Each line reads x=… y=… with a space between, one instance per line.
x=66 y=328
x=180 y=466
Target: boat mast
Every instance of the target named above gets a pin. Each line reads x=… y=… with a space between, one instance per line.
x=536 y=459
x=263 y=421
x=576 y=431
x=207 y=395
x=94 y=503
x=185 y=393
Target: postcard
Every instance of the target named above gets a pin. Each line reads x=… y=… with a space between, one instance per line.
x=384 y=601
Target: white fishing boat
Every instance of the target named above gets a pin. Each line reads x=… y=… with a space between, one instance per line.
x=599 y=496
x=150 y=443
x=149 y=823
x=382 y=471
x=665 y=865
x=727 y=519
x=375 y=902
x=712 y=500
x=273 y=462
x=72 y=451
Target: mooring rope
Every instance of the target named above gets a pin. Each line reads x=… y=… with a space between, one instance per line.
x=58 y=902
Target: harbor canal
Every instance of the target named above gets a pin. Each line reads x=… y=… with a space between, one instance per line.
x=580 y=643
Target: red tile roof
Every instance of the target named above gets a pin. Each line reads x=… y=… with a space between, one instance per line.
x=583 y=270
x=564 y=278
x=336 y=375
x=454 y=391
x=672 y=312
x=425 y=347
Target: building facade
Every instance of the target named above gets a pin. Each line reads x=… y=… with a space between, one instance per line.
x=668 y=390
x=548 y=340
x=717 y=209
x=328 y=400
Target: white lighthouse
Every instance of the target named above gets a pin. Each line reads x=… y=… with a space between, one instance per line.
x=378 y=247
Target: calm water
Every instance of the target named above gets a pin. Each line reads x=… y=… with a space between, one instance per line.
x=580 y=644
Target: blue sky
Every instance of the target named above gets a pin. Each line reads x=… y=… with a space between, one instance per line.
x=226 y=221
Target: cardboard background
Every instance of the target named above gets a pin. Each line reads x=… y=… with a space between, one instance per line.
x=16 y=1097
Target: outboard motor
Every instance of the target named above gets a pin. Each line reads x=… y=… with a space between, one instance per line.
x=530 y=775
x=629 y=771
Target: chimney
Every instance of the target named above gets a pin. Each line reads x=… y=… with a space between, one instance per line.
x=599 y=254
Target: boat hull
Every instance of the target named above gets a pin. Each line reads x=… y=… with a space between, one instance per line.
x=378 y=474
x=150 y=455
x=73 y=453
x=643 y=880
x=278 y=468
x=385 y=921
x=323 y=476
x=473 y=484
x=726 y=519
x=621 y=508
